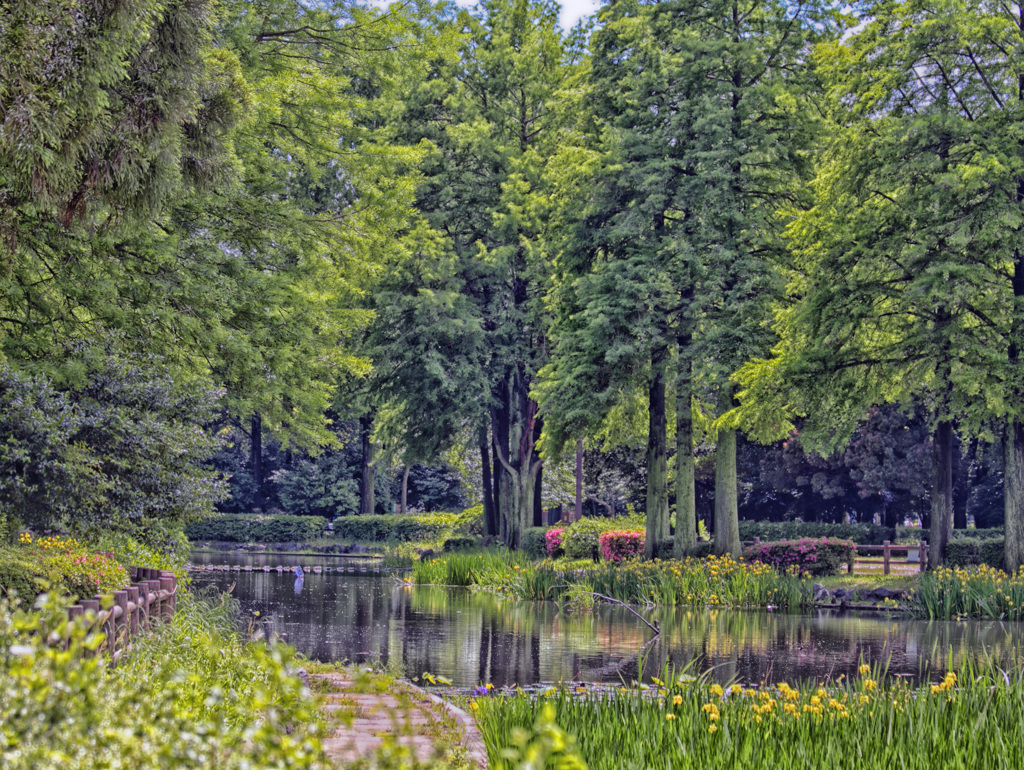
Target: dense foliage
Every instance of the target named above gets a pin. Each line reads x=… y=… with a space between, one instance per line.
x=824 y=556
x=863 y=534
x=240 y=528
x=375 y=259
x=192 y=693
x=117 y=448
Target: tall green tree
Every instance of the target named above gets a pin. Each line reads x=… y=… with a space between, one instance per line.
x=705 y=115
x=495 y=115
x=910 y=259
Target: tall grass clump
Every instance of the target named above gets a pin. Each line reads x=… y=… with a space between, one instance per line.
x=970 y=721
x=711 y=582
x=467 y=568
x=978 y=592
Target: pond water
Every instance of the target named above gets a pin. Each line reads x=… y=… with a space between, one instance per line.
x=475 y=637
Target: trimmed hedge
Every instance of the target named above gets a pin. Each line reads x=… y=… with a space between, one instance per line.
x=253 y=528
x=404 y=528
x=665 y=549
x=534 y=544
x=977 y=534
x=824 y=556
x=773 y=531
x=454 y=544
x=970 y=552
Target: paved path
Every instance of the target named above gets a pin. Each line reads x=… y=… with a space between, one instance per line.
x=404 y=716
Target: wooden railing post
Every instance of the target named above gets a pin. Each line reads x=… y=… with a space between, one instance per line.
x=851 y=561
x=167 y=583
x=109 y=627
x=924 y=555
x=74 y=612
x=133 y=616
x=122 y=623
x=151 y=600
x=885 y=556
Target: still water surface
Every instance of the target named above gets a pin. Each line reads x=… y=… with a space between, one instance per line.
x=475 y=637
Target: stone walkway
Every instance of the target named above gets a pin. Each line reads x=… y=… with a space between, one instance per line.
x=403 y=718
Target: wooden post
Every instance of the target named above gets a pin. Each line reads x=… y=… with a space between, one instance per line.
x=91 y=607
x=133 y=616
x=924 y=555
x=74 y=612
x=109 y=629
x=757 y=541
x=167 y=584
x=122 y=623
x=152 y=602
x=885 y=556
x=852 y=561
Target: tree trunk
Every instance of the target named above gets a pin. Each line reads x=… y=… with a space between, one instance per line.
x=404 y=500
x=256 y=460
x=513 y=424
x=538 y=497
x=1013 y=440
x=686 y=495
x=942 y=493
x=490 y=522
x=727 y=518
x=578 y=512
x=366 y=501
x=538 y=488
x=657 y=457
x=1013 y=492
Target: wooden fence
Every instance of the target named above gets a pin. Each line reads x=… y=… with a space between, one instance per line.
x=150 y=599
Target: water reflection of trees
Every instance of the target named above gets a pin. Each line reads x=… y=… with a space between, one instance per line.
x=477 y=637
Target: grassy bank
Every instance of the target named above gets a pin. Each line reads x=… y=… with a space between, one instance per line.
x=192 y=694
x=711 y=582
x=970 y=721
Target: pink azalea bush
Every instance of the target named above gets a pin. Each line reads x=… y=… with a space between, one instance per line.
x=553 y=539
x=821 y=556
x=619 y=545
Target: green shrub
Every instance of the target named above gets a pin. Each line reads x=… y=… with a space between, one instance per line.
x=970 y=552
x=580 y=539
x=665 y=549
x=534 y=544
x=190 y=694
x=470 y=521
x=257 y=528
x=824 y=556
x=453 y=544
x=423 y=526
x=59 y=565
x=21 y=575
x=976 y=534
x=403 y=528
x=862 y=534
